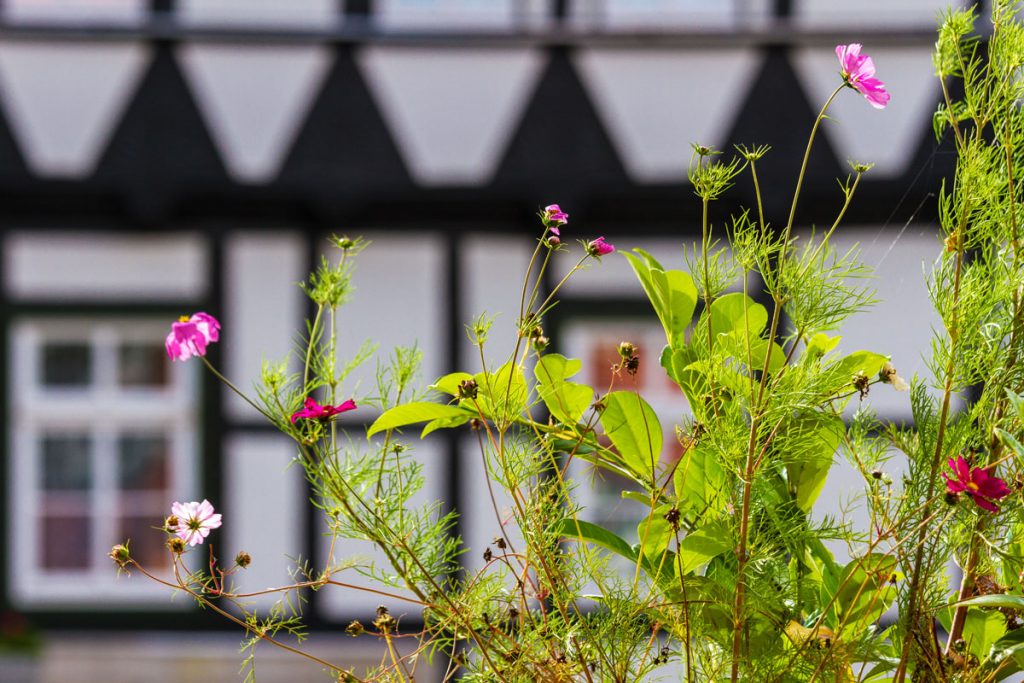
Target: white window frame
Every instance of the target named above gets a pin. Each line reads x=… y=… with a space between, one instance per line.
x=104 y=410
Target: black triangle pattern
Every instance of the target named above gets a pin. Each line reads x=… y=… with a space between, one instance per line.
x=560 y=148
x=344 y=150
x=161 y=161
x=161 y=154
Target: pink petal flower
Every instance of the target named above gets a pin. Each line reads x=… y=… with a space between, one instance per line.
x=983 y=488
x=315 y=411
x=190 y=336
x=858 y=72
x=554 y=216
x=599 y=247
x=195 y=521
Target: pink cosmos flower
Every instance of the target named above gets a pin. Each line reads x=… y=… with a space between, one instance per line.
x=977 y=483
x=190 y=336
x=599 y=247
x=553 y=216
x=858 y=72
x=315 y=411
x=195 y=520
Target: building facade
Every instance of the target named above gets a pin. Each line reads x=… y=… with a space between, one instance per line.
x=159 y=157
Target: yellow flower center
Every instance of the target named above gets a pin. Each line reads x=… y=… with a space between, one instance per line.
x=972 y=486
x=183 y=319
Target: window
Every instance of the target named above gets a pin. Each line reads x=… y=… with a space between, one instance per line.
x=595 y=343
x=103 y=438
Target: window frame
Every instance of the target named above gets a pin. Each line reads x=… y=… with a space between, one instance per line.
x=105 y=411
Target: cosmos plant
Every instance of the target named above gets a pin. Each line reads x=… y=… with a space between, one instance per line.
x=725 y=573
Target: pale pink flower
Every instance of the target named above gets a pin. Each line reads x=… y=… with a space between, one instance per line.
x=315 y=411
x=599 y=247
x=190 y=336
x=858 y=72
x=553 y=216
x=195 y=521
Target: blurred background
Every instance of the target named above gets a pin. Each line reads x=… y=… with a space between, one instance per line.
x=160 y=157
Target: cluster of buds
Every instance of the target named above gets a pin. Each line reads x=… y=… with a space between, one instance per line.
x=121 y=556
x=468 y=389
x=385 y=623
x=535 y=333
x=630 y=356
x=862 y=383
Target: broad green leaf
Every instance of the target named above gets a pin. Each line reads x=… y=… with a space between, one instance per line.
x=808 y=445
x=727 y=315
x=982 y=629
x=699 y=482
x=567 y=401
x=502 y=394
x=577 y=529
x=866 y=589
x=1001 y=601
x=672 y=294
x=449 y=384
x=820 y=344
x=702 y=545
x=859 y=361
x=635 y=431
x=411 y=413
x=639 y=497
x=655 y=535
x=445 y=423
x=676 y=363
x=1010 y=645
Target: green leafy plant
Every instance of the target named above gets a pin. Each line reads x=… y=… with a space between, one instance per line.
x=729 y=574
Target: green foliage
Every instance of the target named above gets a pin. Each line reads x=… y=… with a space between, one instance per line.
x=713 y=557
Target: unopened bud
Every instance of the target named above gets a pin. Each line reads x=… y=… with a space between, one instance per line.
x=243 y=559
x=176 y=545
x=468 y=389
x=120 y=555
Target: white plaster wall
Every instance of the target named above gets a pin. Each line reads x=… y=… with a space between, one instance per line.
x=75 y=266
x=264 y=308
x=263 y=512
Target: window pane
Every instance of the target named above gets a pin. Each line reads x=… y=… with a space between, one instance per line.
x=142 y=365
x=66 y=365
x=66 y=541
x=143 y=462
x=65 y=462
x=147 y=541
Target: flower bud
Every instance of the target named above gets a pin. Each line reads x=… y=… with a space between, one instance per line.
x=355 y=629
x=468 y=389
x=540 y=343
x=121 y=555
x=243 y=559
x=176 y=545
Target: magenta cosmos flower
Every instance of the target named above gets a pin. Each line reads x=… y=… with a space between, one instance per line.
x=858 y=72
x=599 y=247
x=553 y=216
x=315 y=411
x=977 y=483
x=195 y=521
x=190 y=336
